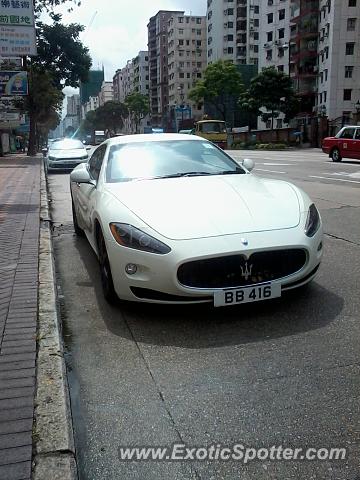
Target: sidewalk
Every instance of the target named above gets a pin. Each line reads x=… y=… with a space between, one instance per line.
x=19 y=253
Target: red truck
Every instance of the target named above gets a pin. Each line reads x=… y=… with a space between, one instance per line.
x=346 y=144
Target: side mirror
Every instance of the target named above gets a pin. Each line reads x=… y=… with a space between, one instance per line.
x=88 y=147
x=81 y=175
x=248 y=164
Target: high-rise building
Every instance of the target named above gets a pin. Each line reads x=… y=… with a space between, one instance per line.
x=92 y=86
x=158 y=67
x=186 y=63
x=73 y=105
x=338 y=61
x=317 y=43
x=134 y=77
x=106 y=93
x=233 y=31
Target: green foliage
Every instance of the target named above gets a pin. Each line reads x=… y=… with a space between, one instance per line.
x=271 y=90
x=138 y=107
x=221 y=82
x=107 y=117
x=61 y=53
x=49 y=5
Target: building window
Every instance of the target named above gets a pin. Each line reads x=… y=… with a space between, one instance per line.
x=326 y=74
x=269 y=54
x=347 y=94
x=198 y=21
x=256 y=9
x=349 y=71
x=280 y=68
x=268 y=123
x=282 y=14
x=256 y=22
x=230 y=38
x=256 y=35
x=350 y=47
x=270 y=18
x=347 y=120
x=352 y=3
x=325 y=96
x=269 y=36
x=230 y=24
x=351 y=24
x=279 y=123
x=229 y=11
x=230 y=50
x=181 y=19
x=256 y=48
x=281 y=33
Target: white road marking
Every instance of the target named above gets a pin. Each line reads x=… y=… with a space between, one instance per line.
x=345 y=174
x=263 y=170
x=332 y=178
x=279 y=164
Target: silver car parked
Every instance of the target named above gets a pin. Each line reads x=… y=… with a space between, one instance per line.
x=65 y=154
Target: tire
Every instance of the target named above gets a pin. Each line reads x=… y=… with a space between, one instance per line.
x=335 y=155
x=78 y=231
x=105 y=272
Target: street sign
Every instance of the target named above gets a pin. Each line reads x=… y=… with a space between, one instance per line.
x=13 y=83
x=17 y=12
x=10 y=117
x=7 y=104
x=17 y=41
x=10 y=63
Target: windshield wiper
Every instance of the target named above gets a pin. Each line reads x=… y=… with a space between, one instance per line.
x=181 y=174
x=230 y=172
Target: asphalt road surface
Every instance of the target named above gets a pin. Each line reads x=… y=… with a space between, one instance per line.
x=282 y=372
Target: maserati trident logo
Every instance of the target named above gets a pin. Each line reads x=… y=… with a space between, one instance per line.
x=244 y=241
x=246 y=271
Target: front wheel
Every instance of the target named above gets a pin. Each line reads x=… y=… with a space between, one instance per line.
x=105 y=271
x=78 y=231
x=335 y=155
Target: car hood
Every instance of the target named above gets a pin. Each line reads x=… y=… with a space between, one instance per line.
x=199 y=207
x=73 y=153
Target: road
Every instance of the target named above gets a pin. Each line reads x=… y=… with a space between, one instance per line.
x=284 y=372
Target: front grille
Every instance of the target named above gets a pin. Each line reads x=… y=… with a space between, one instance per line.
x=237 y=271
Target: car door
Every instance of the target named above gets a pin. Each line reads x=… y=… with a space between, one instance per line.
x=81 y=194
x=90 y=194
x=355 y=147
x=345 y=142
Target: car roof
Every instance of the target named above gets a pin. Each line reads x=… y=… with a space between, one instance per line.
x=351 y=126
x=153 y=137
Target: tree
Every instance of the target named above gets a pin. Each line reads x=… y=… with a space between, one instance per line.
x=138 y=107
x=62 y=59
x=44 y=104
x=111 y=116
x=220 y=84
x=273 y=91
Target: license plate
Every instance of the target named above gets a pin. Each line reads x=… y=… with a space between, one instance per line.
x=253 y=293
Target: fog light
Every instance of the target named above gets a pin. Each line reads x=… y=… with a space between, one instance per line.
x=320 y=246
x=131 y=268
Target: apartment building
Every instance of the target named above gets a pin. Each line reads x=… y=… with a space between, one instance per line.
x=134 y=77
x=317 y=42
x=186 y=63
x=233 y=31
x=106 y=93
x=158 y=66
x=338 y=60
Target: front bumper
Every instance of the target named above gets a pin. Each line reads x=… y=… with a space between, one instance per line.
x=63 y=164
x=156 y=278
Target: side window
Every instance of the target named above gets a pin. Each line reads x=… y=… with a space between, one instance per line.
x=92 y=164
x=357 y=134
x=95 y=162
x=348 y=133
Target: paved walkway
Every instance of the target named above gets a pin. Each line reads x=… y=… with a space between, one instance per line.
x=19 y=236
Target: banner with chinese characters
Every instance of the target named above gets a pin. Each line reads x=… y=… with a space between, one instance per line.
x=17 y=12
x=17 y=41
x=13 y=83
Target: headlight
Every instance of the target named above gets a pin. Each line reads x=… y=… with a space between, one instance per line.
x=131 y=237
x=312 y=222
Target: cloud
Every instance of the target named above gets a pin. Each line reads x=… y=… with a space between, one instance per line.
x=119 y=28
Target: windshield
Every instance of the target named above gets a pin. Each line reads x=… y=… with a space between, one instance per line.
x=213 y=127
x=67 y=144
x=164 y=159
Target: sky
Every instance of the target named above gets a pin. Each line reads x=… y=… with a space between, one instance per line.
x=119 y=29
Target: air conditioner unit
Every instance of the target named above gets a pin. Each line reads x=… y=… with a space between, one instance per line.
x=252 y=29
x=266 y=45
x=277 y=43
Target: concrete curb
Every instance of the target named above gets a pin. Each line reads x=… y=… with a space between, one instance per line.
x=54 y=453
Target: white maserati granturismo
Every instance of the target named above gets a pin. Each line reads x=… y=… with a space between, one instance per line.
x=174 y=219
